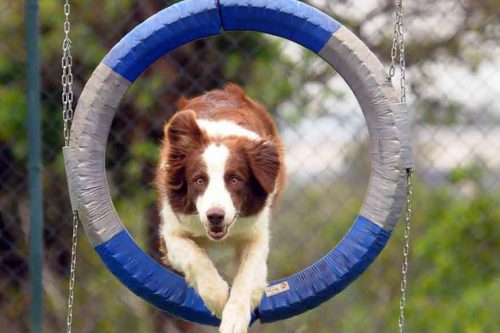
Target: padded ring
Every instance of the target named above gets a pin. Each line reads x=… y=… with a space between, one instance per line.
x=193 y=19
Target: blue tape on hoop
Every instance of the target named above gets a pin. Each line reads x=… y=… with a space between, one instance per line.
x=293 y=20
x=190 y=20
x=148 y=279
x=308 y=288
x=163 y=32
x=330 y=275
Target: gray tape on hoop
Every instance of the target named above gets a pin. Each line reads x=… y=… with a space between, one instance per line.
x=403 y=121
x=85 y=156
x=367 y=78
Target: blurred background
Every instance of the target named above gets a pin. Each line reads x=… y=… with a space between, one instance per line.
x=453 y=70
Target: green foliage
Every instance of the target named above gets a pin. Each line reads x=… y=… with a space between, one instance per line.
x=471 y=172
x=454 y=268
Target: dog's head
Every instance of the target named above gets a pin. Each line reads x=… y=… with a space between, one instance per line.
x=217 y=178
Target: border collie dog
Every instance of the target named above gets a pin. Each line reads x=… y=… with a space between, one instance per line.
x=221 y=168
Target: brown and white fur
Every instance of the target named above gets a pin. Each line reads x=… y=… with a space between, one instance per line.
x=220 y=170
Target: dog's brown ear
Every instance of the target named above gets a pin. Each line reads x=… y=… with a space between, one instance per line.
x=234 y=89
x=182 y=134
x=265 y=163
x=182 y=102
x=183 y=131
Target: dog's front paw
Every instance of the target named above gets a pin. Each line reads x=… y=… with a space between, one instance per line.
x=235 y=318
x=214 y=293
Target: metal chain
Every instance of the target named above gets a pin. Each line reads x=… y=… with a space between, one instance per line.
x=74 y=243
x=402 y=61
x=406 y=249
x=67 y=103
x=67 y=75
x=394 y=48
x=398 y=46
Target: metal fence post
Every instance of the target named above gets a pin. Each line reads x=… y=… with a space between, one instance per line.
x=34 y=166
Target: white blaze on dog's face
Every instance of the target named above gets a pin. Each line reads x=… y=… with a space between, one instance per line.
x=215 y=205
x=217 y=178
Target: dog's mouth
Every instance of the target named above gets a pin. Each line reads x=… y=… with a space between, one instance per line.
x=217 y=232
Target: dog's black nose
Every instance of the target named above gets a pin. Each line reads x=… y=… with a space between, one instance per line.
x=215 y=216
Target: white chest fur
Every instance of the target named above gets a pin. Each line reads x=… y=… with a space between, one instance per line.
x=224 y=254
x=224 y=258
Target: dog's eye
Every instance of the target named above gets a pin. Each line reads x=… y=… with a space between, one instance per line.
x=199 y=181
x=234 y=181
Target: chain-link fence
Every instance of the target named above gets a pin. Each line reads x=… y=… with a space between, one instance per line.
x=452 y=49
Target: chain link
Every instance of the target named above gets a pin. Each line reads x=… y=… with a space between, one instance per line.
x=74 y=243
x=406 y=249
x=67 y=75
x=394 y=48
x=67 y=112
x=398 y=46
x=402 y=61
